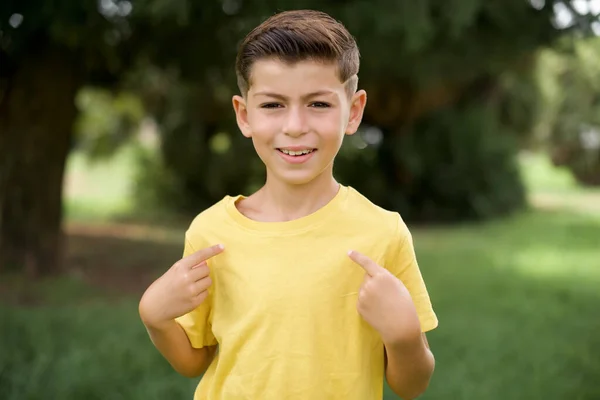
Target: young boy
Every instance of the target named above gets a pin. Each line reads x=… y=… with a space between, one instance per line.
x=269 y=279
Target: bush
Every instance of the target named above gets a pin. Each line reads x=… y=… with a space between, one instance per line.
x=456 y=164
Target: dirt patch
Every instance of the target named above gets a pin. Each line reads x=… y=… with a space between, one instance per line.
x=107 y=260
x=121 y=257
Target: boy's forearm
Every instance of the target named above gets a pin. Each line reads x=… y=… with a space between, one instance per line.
x=173 y=343
x=409 y=368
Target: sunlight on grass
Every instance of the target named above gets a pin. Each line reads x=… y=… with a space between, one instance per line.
x=543 y=263
x=555 y=188
x=101 y=189
x=540 y=175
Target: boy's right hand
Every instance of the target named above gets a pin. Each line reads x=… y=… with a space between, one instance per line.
x=179 y=290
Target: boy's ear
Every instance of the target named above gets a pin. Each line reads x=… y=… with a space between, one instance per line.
x=241 y=115
x=357 y=108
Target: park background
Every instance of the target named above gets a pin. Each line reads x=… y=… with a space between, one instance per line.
x=482 y=129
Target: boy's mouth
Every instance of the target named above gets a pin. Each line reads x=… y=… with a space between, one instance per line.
x=296 y=153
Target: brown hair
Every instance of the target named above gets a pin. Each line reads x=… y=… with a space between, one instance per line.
x=293 y=36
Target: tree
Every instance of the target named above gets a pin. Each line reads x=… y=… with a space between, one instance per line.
x=570 y=79
x=427 y=63
x=48 y=52
x=442 y=102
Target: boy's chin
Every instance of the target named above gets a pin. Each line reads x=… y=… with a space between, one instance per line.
x=296 y=178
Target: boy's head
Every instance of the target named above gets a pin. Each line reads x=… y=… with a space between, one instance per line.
x=297 y=73
x=300 y=35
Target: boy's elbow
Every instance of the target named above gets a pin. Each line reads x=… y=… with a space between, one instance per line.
x=410 y=389
x=412 y=392
x=188 y=372
x=193 y=367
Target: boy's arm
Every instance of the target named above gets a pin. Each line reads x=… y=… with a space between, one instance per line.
x=409 y=367
x=175 y=309
x=394 y=300
x=386 y=304
x=173 y=343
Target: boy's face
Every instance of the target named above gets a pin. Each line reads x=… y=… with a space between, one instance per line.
x=297 y=116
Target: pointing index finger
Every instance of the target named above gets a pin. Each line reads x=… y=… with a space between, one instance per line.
x=203 y=255
x=365 y=262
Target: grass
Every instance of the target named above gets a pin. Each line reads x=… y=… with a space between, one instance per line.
x=93 y=351
x=518 y=307
x=517 y=300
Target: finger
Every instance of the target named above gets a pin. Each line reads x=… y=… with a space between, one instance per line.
x=202 y=255
x=199 y=271
x=202 y=285
x=365 y=262
x=361 y=289
x=201 y=297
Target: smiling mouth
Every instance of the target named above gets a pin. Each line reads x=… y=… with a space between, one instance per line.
x=296 y=153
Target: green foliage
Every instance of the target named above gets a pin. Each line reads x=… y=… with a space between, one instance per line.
x=520 y=104
x=429 y=42
x=457 y=164
x=419 y=61
x=461 y=48
x=572 y=83
x=106 y=121
x=97 y=36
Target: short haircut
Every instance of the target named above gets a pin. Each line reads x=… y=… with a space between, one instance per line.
x=300 y=35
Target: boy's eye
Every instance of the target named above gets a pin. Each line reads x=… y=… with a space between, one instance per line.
x=270 y=105
x=319 y=104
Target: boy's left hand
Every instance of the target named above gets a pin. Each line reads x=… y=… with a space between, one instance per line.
x=385 y=303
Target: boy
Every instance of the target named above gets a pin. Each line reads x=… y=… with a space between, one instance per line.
x=269 y=278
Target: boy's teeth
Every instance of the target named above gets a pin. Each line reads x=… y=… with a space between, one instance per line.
x=295 y=153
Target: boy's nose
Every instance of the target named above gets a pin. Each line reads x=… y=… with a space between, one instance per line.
x=295 y=124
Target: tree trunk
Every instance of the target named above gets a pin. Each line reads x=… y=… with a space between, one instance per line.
x=37 y=111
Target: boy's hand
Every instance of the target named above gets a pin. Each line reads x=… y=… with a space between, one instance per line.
x=385 y=303
x=179 y=290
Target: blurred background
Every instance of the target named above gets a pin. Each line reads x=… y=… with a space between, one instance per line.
x=482 y=128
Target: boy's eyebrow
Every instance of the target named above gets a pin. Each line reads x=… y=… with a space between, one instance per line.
x=306 y=96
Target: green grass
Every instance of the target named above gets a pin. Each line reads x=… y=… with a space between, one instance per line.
x=517 y=301
x=96 y=351
x=518 y=305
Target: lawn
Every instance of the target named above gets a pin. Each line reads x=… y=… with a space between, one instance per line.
x=517 y=300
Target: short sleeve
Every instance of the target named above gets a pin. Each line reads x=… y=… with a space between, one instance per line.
x=402 y=262
x=197 y=323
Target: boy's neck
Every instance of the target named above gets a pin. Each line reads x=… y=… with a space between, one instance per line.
x=283 y=202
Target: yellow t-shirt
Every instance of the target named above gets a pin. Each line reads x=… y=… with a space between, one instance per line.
x=282 y=307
